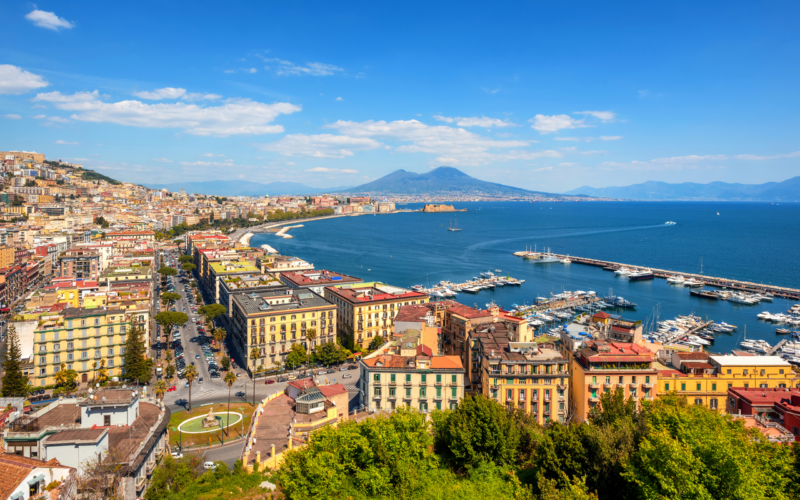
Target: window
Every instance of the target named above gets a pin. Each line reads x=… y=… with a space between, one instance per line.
x=780 y=371
x=594 y=380
x=424 y=379
x=698 y=387
x=110 y=330
x=620 y=380
x=376 y=391
x=633 y=379
x=509 y=394
x=438 y=378
x=745 y=372
x=438 y=392
x=84 y=355
x=391 y=377
x=683 y=387
x=408 y=393
x=43 y=360
x=647 y=379
x=110 y=351
x=713 y=387
x=408 y=377
x=422 y=392
x=453 y=392
x=56 y=358
x=666 y=387
x=713 y=403
x=107 y=420
x=376 y=377
x=698 y=402
x=453 y=379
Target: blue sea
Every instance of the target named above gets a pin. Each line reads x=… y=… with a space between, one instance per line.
x=758 y=242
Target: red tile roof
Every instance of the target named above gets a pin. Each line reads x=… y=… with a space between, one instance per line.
x=332 y=390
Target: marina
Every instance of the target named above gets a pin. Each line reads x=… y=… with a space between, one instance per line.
x=487 y=280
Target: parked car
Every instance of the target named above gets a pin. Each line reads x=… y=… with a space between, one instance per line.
x=269 y=381
x=201 y=380
x=352 y=367
x=176 y=455
x=347 y=375
x=343 y=369
x=209 y=466
x=322 y=372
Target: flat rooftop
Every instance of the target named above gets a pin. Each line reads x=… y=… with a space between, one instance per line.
x=316 y=278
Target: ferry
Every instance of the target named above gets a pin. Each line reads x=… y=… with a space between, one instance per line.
x=642 y=275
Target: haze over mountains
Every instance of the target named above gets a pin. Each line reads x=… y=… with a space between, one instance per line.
x=788 y=190
x=439 y=180
x=244 y=188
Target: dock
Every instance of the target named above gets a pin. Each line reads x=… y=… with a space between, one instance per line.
x=776 y=348
x=743 y=286
x=690 y=332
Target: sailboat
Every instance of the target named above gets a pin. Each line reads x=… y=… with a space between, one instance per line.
x=454 y=228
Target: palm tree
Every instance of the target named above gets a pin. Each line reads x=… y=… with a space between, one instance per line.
x=61 y=376
x=102 y=372
x=311 y=334
x=190 y=374
x=94 y=370
x=160 y=389
x=255 y=353
x=229 y=379
x=219 y=336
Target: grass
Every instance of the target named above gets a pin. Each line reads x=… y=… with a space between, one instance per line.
x=236 y=431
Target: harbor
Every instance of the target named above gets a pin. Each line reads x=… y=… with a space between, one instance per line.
x=488 y=280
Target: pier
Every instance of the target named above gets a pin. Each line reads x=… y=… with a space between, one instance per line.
x=690 y=332
x=776 y=348
x=743 y=286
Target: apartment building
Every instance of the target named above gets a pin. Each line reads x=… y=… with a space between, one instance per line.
x=607 y=365
x=530 y=376
x=80 y=264
x=365 y=310
x=317 y=280
x=273 y=321
x=80 y=338
x=705 y=380
x=406 y=373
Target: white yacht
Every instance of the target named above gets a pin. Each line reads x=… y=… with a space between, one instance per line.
x=623 y=271
x=676 y=280
x=693 y=283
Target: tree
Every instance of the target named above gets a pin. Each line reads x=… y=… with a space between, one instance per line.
x=226 y=363
x=170 y=371
x=212 y=311
x=170 y=297
x=479 y=430
x=190 y=373
x=15 y=384
x=255 y=353
x=330 y=353
x=188 y=267
x=160 y=388
x=168 y=320
x=311 y=334
x=185 y=259
x=167 y=271
x=229 y=379
x=377 y=341
x=137 y=365
x=219 y=336
x=102 y=373
x=297 y=356
x=101 y=221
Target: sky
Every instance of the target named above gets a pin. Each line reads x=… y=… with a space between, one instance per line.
x=547 y=96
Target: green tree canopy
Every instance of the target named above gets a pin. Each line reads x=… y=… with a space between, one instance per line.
x=137 y=365
x=167 y=271
x=330 y=353
x=184 y=259
x=211 y=311
x=168 y=320
x=15 y=384
x=188 y=267
x=377 y=341
x=170 y=296
x=297 y=356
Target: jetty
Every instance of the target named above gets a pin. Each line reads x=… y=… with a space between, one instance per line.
x=776 y=348
x=743 y=286
x=692 y=331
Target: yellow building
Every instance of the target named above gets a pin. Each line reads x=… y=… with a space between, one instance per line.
x=80 y=338
x=527 y=375
x=366 y=310
x=605 y=366
x=707 y=382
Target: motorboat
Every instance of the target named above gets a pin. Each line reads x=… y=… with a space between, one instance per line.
x=676 y=280
x=693 y=283
x=623 y=271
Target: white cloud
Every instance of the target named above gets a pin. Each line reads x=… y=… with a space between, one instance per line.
x=58 y=119
x=212 y=155
x=796 y=154
x=543 y=169
x=14 y=80
x=229 y=71
x=48 y=20
x=610 y=137
x=490 y=91
x=320 y=145
x=233 y=117
x=199 y=96
x=226 y=163
x=589 y=139
x=39 y=117
x=67 y=143
x=12 y=116
x=576 y=139
x=644 y=93
x=332 y=170
x=604 y=116
x=454 y=145
x=158 y=94
x=474 y=121
x=339 y=99
x=288 y=68
x=547 y=124
x=691 y=161
x=567 y=164
x=162 y=160
x=251 y=70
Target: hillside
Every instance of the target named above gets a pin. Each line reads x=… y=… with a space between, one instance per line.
x=439 y=180
x=244 y=188
x=788 y=190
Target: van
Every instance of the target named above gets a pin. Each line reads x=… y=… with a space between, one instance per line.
x=209 y=466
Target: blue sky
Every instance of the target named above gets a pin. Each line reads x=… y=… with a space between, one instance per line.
x=542 y=95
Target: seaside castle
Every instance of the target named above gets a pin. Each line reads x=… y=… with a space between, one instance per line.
x=430 y=207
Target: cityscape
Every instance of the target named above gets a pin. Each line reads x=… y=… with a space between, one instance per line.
x=375 y=278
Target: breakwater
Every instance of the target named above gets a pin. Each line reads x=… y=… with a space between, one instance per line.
x=743 y=286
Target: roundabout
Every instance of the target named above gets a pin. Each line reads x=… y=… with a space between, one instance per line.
x=223 y=419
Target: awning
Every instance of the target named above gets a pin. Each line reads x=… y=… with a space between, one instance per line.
x=36 y=480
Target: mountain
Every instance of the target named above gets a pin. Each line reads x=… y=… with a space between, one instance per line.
x=788 y=190
x=245 y=188
x=439 y=180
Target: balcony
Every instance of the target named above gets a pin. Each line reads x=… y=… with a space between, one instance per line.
x=392 y=382
x=140 y=482
x=633 y=385
x=452 y=384
x=149 y=467
x=423 y=383
x=438 y=383
x=594 y=399
x=607 y=385
x=437 y=397
x=594 y=386
x=647 y=386
x=407 y=382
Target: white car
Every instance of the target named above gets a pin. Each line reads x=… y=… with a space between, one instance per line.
x=209 y=466
x=176 y=455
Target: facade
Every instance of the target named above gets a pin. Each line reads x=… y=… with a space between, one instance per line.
x=526 y=375
x=406 y=373
x=80 y=265
x=274 y=320
x=604 y=366
x=705 y=380
x=366 y=310
x=83 y=339
x=26 y=478
x=776 y=410
x=316 y=280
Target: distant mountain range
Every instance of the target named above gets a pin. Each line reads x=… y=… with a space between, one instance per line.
x=439 y=180
x=244 y=188
x=788 y=190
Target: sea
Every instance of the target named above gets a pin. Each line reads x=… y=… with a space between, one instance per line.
x=757 y=242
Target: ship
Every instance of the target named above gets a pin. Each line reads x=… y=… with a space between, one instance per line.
x=454 y=228
x=641 y=275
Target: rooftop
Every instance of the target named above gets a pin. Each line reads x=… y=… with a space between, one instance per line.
x=750 y=361
x=278 y=300
x=316 y=278
x=373 y=292
x=241 y=266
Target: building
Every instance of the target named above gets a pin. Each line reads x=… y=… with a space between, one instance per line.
x=316 y=280
x=115 y=424
x=225 y=270
x=530 y=376
x=6 y=256
x=366 y=310
x=26 y=478
x=79 y=264
x=775 y=412
x=405 y=372
x=272 y=321
x=247 y=283
x=705 y=380
x=606 y=365
x=21 y=156
x=84 y=340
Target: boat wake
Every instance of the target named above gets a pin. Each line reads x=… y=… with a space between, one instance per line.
x=485 y=244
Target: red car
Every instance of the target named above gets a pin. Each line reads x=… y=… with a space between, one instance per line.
x=269 y=381
x=171 y=388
